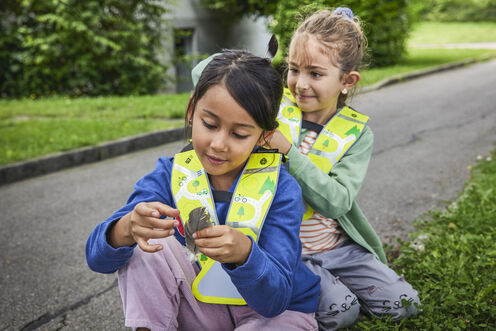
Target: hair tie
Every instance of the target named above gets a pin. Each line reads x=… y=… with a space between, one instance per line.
x=345 y=11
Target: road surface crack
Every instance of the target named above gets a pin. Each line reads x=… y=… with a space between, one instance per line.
x=48 y=317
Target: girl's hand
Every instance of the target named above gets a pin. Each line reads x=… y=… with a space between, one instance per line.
x=144 y=223
x=224 y=244
x=280 y=142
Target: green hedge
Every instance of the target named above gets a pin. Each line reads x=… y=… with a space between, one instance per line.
x=75 y=47
x=386 y=24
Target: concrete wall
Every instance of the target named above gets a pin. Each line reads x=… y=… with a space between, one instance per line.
x=211 y=34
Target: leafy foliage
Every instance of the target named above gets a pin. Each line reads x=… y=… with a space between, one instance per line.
x=95 y=47
x=451 y=261
x=454 y=10
x=386 y=24
x=236 y=9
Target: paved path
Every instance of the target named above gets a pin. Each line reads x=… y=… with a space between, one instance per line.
x=427 y=132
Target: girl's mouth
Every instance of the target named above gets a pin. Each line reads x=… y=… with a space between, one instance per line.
x=215 y=161
x=304 y=97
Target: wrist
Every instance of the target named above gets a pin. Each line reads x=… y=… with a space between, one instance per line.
x=246 y=252
x=286 y=148
x=118 y=234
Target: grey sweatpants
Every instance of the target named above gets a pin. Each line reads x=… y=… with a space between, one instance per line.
x=353 y=278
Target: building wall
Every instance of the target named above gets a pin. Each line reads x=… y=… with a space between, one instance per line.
x=211 y=33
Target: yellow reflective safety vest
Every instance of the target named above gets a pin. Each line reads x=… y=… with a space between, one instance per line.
x=335 y=138
x=248 y=208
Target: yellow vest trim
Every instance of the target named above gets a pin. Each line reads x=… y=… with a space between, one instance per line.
x=250 y=203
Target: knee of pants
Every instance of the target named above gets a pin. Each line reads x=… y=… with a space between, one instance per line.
x=397 y=301
x=405 y=306
x=339 y=315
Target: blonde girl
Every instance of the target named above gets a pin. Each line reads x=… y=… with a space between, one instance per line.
x=329 y=146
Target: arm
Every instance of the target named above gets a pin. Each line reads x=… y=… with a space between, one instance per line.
x=265 y=280
x=333 y=194
x=111 y=244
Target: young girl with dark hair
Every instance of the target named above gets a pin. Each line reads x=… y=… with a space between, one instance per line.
x=228 y=205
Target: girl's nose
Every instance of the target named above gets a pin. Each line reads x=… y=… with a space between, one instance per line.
x=218 y=141
x=302 y=83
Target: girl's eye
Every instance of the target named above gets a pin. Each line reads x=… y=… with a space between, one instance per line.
x=207 y=125
x=293 y=70
x=316 y=74
x=239 y=136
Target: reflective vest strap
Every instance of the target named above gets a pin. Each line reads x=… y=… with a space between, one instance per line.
x=352 y=115
x=287 y=94
x=190 y=186
x=289 y=117
x=337 y=137
x=252 y=199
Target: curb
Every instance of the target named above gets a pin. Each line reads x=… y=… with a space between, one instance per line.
x=55 y=162
x=58 y=161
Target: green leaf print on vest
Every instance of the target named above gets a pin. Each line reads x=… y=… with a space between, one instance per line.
x=354 y=130
x=267 y=185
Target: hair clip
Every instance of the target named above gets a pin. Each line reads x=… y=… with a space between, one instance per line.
x=344 y=11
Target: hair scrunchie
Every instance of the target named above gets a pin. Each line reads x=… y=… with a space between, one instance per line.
x=345 y=11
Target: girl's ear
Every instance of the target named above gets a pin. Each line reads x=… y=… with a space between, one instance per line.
x=189 y=110
x=351 y=79
x=265 y=138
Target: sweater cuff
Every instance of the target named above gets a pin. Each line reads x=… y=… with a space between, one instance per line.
x=114 y=253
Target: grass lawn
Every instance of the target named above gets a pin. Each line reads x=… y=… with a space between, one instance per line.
x=452 y=261
x=452 y=32
x=418 y=59
x=35 y=127
x=32 y=128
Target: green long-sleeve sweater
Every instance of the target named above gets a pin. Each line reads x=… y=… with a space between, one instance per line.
x=333 y=195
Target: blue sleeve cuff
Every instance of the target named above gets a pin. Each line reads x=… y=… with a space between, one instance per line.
x=102 y=257
x=105 y=247
x=251 y=270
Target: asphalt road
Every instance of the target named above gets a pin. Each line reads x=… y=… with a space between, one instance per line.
x=427 y=132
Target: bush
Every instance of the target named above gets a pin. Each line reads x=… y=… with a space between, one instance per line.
x=386 y=24
x=80 y=47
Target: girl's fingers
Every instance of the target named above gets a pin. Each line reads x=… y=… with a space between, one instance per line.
x=153 y=233
x=146 y=247
x=209 y=243
x=211 y=253
x=164 y=210
x=215 y=237
x=211 y=231
x=156 y=209
x=157 y=223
